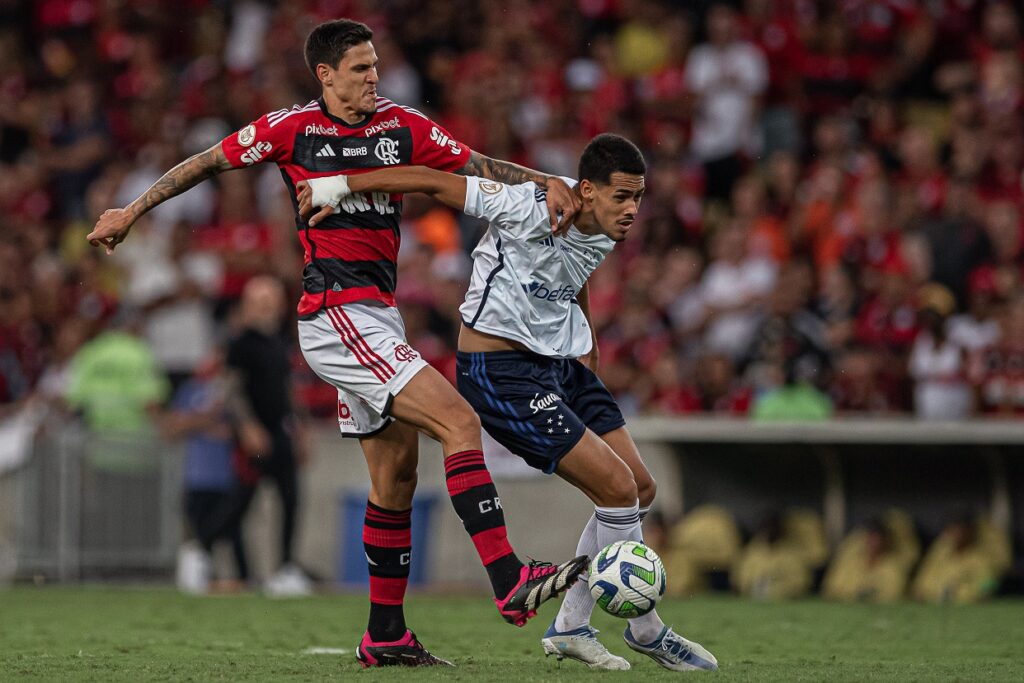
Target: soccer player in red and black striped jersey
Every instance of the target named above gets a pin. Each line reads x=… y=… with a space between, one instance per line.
x=351 y=333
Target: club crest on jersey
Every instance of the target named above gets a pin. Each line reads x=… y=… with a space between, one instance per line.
x=546 y=403
x=404 y=352
x=387 y=151
x=488 y=187
x=247 y=135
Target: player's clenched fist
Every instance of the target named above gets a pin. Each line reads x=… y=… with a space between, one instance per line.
x=111 y=229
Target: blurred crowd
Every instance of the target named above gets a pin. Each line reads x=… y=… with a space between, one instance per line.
x=832 y=221
x=787 y=556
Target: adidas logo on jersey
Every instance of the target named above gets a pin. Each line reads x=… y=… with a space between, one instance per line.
x=326 y=151
x=548 y=241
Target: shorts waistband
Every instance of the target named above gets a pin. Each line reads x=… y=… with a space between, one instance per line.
x=505 y=355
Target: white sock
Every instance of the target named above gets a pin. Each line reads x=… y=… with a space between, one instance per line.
x=578 y=603
x=648 y=627
x=618 y=524
x=623 y=524
x=605 y=527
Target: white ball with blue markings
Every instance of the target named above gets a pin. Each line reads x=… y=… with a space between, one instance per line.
x=627 y=579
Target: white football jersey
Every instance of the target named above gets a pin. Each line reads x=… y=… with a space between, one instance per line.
x=525 y=280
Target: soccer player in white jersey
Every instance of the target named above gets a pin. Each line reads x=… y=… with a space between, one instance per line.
x=525 y=329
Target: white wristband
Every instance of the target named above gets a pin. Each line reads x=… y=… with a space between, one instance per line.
x=329 y=191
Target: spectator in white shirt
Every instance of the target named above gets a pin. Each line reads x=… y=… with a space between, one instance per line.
x=726 y=75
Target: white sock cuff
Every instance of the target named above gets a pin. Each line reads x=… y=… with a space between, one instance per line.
x=643 y=512
x=618 y=518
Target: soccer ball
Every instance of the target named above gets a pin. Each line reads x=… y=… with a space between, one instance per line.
x=627 y=579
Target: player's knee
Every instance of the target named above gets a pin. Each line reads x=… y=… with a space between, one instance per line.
x=646 y=488
x=463 y=423
x=619 y=491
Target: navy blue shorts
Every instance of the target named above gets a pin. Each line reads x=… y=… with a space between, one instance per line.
x=535 y=406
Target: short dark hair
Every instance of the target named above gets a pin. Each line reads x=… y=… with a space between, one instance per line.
x=328 y=42
x=609 y=153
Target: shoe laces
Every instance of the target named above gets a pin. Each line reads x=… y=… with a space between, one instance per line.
x=422 y=654
x=674 y=645
x=537 y=568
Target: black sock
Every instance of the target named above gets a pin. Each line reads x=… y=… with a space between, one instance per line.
x=387 y=541
x=477 y=504
x=504 y=574
x=387 y=623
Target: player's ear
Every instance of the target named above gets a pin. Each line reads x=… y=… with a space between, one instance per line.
x=587 y=189
x=324 y=75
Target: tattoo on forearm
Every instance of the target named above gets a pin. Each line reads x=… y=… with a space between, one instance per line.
x=184 y=176
x=502 y=171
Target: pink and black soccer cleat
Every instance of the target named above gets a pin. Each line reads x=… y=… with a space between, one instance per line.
x=538 y=583
x=406 y=651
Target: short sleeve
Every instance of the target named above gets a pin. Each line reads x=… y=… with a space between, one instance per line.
x=435 y=147
x=510 y=207
x=260 y=141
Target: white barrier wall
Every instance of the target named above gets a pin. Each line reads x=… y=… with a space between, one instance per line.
x=845 y=469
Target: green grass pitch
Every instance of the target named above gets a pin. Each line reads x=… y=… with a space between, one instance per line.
x=145 y=634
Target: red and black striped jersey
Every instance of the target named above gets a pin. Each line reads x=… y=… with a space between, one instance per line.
x=351 y=255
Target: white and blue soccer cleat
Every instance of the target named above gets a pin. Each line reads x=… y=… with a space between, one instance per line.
x=674 y=652
x=582 y=645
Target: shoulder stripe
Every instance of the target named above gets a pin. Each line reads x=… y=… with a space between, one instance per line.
x=413 y=111
x=281 y=112
x=295 y=110
x=386 y=107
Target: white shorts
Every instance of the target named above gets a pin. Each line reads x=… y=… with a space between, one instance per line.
x=361 y=350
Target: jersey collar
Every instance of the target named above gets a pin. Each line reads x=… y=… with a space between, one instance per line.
x=342 y=122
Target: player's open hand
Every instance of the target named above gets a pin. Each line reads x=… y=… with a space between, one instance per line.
x=562 y=200
x=305 y=195
x=111 y=229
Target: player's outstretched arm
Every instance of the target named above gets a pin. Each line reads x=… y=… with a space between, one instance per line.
x=112 y=227
x=328 y=192
x=560 y=197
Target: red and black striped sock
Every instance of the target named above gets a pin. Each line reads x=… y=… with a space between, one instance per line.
x=387 y=540
x=477 y=504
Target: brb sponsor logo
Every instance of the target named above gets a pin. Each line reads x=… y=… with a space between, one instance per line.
x=390 y=124
x=256 y=153
x=542 y=291
x=404 y=352
x=547 y=403
x=442 y=140
x=319 y=129
x=354 y=151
